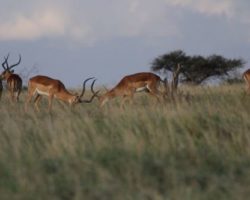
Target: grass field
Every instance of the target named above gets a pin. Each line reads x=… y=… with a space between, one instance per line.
x=194 y=150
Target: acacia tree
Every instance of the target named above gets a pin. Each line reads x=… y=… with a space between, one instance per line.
x=196 y=69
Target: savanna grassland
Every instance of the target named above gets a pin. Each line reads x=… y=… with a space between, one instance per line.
x=196 y=149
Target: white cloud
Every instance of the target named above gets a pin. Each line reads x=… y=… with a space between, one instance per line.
x=136 y=18
x=43 y=24
x=86 y=21
x=89 y=21
x=42 y=20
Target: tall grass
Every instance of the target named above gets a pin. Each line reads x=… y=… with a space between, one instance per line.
x=196 y=149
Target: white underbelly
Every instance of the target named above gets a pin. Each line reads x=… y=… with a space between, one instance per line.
x=140 y=89
x=42 y=92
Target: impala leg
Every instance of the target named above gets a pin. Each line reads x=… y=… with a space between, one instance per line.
x=11 y=90
x=36 y=102
x=124 y=99
x=156 y=95
x=127 y=98
x=18 y=94
x=153 y=91
x=50 y=98
x=130 y=98
x=103 y=101
x=29 y=97
x=15 y=96
x=12 y=96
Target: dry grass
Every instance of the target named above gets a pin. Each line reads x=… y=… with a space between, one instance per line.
x=185 y=150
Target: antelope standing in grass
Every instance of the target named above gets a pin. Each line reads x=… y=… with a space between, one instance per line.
x=39 y=86
x=129 y=85
x=14 y=82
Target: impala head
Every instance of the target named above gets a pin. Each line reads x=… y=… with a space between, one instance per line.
x=8 y=70
x=78 y=98
x=74 y=100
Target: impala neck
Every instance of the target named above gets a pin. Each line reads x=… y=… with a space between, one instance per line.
x=6 y=75
x=107 y=96
x=66 y=96
x=110 y=94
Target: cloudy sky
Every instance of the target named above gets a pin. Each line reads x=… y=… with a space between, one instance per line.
x=74 y=39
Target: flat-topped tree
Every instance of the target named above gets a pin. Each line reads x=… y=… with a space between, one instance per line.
x=195 y=69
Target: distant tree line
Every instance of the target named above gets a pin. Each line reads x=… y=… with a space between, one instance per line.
x=196 y=69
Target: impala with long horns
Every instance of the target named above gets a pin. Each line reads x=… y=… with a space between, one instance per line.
x=128 y=85
x=52 y=88
x=14 y=82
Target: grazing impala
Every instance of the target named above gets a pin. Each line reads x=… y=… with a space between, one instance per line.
x=46 y=86
x=14 y=82
x=128 y=85
x=246 y=77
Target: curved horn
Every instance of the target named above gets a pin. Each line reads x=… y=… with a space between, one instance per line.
x=6 y=62
x=83 y=86
x=16 y=63
x=92 y=90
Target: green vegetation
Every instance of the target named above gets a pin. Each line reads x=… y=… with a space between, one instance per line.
x=198 y=149
x=197 y=69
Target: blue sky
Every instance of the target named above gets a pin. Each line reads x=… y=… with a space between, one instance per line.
x=73 y=39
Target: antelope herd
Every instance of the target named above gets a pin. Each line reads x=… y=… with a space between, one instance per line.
x=39 y=86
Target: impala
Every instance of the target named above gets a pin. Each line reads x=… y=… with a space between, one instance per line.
x=246 y=77
x=52 y=88
x=14 y=82
x=128 y=85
